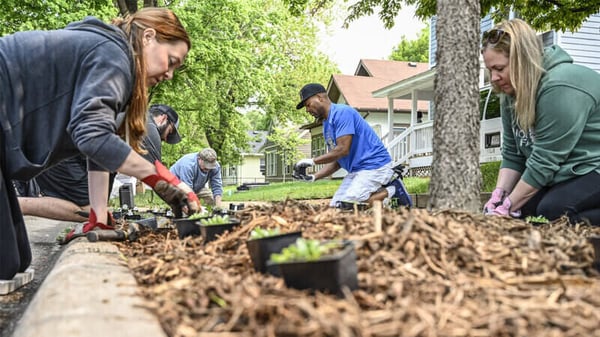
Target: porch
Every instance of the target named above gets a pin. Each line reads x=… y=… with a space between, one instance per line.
x=414 y=146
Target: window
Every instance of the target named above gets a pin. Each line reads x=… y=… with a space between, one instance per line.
x=317 y=146
x=489 y=104
x=272 y=158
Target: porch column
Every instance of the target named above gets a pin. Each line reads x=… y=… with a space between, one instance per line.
x=390 y=116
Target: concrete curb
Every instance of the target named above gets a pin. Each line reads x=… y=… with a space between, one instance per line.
x=89 y=292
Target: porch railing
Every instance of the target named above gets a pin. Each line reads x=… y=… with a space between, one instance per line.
x=414 y=141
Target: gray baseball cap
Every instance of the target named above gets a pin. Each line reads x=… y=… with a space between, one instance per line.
x=209 y=157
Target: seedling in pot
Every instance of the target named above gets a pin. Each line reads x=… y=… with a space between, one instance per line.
x=260 y=233
x=216 y=225
x=305 y=250
x=326 y=266
x=265 y=241
x=216 y=220
x=198 y=216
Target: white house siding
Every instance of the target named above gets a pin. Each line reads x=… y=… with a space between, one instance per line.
x=584 y=44
x=432 y=42
x=379 y=122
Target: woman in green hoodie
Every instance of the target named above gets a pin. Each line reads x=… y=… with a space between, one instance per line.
x=550 y=111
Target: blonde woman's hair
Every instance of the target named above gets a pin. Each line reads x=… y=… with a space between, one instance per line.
x=524 y=50
x=168 y=29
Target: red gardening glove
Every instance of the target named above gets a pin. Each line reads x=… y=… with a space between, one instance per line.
x=91 y=224
x=496 y=200
x=170 y=189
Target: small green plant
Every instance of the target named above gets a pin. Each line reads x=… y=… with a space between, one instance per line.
x=197 y=216
x=216 y=220
x=62 y=235
x=305 y=250
x=537 y=219
x=259 y=233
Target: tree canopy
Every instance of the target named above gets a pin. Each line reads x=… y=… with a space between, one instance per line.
x=416 y=50
x=542 y=15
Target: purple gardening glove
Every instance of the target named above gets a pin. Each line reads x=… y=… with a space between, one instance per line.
x=498 y=196
x=504 y=210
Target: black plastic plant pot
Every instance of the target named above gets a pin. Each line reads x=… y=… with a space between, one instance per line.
x=117 y=215
x=212 y=232
x=349 y=205
x=260 y=250
x=132 y=217
x=148 y=222
x=595 y=241
x=329 y=274
x=187 y=227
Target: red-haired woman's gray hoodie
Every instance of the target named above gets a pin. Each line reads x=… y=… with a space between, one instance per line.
x=59 y=95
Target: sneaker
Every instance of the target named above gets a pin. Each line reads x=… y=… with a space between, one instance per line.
x=401 y=195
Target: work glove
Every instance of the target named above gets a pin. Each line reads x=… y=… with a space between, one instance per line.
x=304 y=163
x=92 y=223
x=504 y=210
x=174 y=192
x=498 y=196
x=300 y=170
x=309 y=178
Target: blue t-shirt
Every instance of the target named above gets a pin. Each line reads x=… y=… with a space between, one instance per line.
x=367 y=152
x=187 y=169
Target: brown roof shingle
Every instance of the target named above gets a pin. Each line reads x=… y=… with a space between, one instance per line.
x=372 y=75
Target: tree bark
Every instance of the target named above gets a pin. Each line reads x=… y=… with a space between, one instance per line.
x=455 y=177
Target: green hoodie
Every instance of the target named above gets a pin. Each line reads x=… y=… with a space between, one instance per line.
x=565 y=140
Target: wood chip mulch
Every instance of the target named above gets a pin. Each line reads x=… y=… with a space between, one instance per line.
x=424 y=274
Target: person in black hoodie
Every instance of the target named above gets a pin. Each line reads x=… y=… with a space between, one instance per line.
x=61 y=192
x=59 y=95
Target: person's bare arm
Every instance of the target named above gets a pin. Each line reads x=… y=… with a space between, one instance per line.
x=327 y=170
x=52 y=208
x=341 y=149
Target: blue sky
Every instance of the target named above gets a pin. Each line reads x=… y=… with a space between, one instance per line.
x=367 y=38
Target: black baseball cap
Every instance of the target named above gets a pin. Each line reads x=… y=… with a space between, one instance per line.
x=174 y=137
x=309 y=91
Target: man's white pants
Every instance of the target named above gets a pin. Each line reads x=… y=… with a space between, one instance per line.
x=358 y=186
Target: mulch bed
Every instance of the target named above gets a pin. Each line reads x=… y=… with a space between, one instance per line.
x=424 y=274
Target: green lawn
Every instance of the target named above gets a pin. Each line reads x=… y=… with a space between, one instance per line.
x=297 y=190
x=322 y=189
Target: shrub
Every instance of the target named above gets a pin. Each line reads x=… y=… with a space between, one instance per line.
x=489 y=174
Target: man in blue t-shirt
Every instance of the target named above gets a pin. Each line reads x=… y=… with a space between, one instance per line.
x=354 y=146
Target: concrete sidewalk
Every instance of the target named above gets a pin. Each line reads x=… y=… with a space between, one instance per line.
x=88 y=292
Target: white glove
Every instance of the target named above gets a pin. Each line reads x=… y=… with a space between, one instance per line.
x=305 y=163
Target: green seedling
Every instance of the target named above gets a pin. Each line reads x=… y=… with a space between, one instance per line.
x=216 y=220
x=305 y=250
x=260 y=233
x=197 y=216
x=537 y=219
x=62 y=235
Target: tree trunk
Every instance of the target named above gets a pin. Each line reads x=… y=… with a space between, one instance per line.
x=455 y=177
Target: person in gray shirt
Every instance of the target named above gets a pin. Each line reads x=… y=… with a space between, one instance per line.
x=60 y=92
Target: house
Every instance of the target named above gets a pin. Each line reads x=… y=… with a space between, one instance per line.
x=355 y=90
x=276 y=168
x=414 y=145
x=252 y=166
